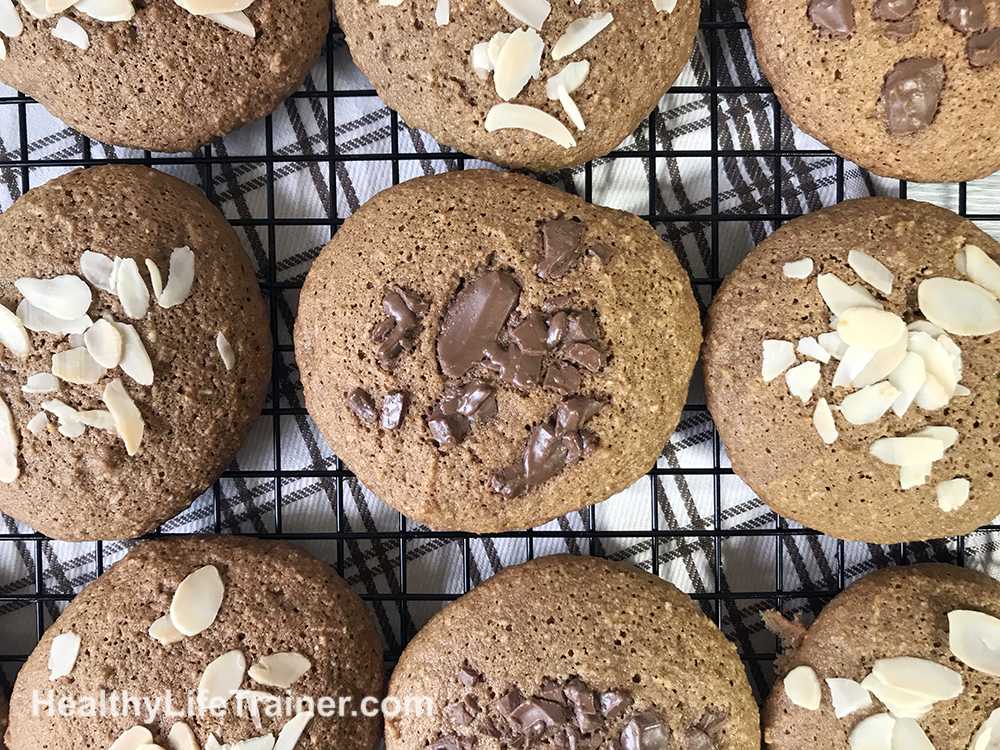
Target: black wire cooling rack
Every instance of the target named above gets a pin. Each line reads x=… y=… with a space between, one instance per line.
x=403 y=597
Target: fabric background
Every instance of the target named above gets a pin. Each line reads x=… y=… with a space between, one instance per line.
x=716 y=168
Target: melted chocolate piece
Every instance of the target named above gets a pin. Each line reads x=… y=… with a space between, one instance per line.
x=552 y=691
x=984 y=49
x=477 y=401
x=646 y=731
x=447 y=429
x=893 y=10
x=397 y=333
x=614 y=703
x=452 y=418
x=965 y=16
x=534 y=712
x=574 y=413
x=582 y=327
x=697 y=739
x=394 y=409
x=362 y=404
x=603 y=252
x=563 y=378
x=474 y=320
x=585 y=355
x=531 y=334
x=555 y=304
x=515 y=368
x=453 y=742
x=510 y=700
x=558 y=326
x=912 y=94
x=562 y=247
x=458 y=715
x=713 y=720
x=584 y=701
x=468 y=676
x=902 y=31
x=833 y=17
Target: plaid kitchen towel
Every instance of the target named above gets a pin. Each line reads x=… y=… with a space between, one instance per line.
x=287 y=181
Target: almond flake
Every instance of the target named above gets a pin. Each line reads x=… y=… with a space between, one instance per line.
x=132 y=291
x=874 y=733
x=974 y=639
x=9 y=439
x=237 y=21
x=97 y=269
x=58 y=6
x=163 y=630
x=42 y=382
x=947 y=435
x=108 y=11
x=848 y=696
x=520 y=61
x=76 y=366
x=135 y=360
x=901 y=704
x=62 y=655
x=988 y=736
x=953 y=494
x=442 y=14
x=257 y=743
x=496 y=46
x=802 y=688
x=481 y=62
x=36 y=8
x=197 y=601
x=832 y=343
x=907 y=735
x=65 y=297
x=665 y=6
x=102 y=420
x=38 y=424
x=840 y=297
x=954 y=353
x=289 y=735
x=571 y=78
x=133 y=739
x=204 y=7
x=72 y=32
x=798 y=269
x=802 y=380
x=529 y=12
x=824 y=423
x=221 y=679
x=12 y=333
x=394 y=3
x=572 y=111
x=226 y=351
x=579 y=33
x=252 y=700
x=10 y=21
x=959 y=307
x=104 y=343
x=914 y=476
x=908 y=451
x=871 y=271
x=3 y=50
x=961 y=390
x=925 y=326
x=937 y=360
x=852 y=364
x=928 y=680
x=155 y=278
x=72 y=428
x=882 y=364
x=181 y=737
x=932 y=396
x=869 y=328
x=213 y=744
x=778 y=357
x=64 y=412
x=36 y=319
x=982 y=269
x=869 y=404
x=523 y=117
x=128 y=419
x=810 y=347
x=280 y=670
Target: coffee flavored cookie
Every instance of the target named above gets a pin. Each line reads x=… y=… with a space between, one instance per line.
x=163 y=75
x=569 y=652
x=487 y=353
x=243 y=636
x=527 y=84
x=134 y=347
x=905 y=659
x=850 y=366
x=3 y=720
x=906 y=88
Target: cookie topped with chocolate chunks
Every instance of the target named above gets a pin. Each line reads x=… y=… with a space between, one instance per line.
x=489 y=366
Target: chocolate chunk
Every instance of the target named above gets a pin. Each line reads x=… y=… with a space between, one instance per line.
x=453 y=742
x=531 y=334
x=545 y=456
x=514 y=367
x=614 y=703
x=902 y=31
x=912 y=94
x=562 y=247
x=417 y=304
x=585 y=711
x=394 y=409
x=382 y=330
x=833 y=17
x=558 y=326
x=555 y=304
x=510 y=700
x=447 y=429
x=645 y=731
x=984 y=49
x=535 y=711
x=458 y=715
x=562 y=377
x=510 y=482
x=603 y=252
x=362 y=404
x=477 y=401
x=397 y=332
x=574 y=413
x=471 y=705
x=468 y=676
x=965 y=16
x=713 y=720
x=893 y=10
x=474 y=320
x=585 y=355
x=696 y=739
x=552 y=691
x=582 y=327
x=489 y=727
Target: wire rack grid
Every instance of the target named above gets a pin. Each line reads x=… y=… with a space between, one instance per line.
x=690 y=521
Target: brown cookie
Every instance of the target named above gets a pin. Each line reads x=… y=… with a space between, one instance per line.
x=907 y=89
x=899 y=613
x=3 y=720
x=819 y=441
x=567 y=652
x=276 y=599
x=440 y=78
x=185 y=399
x=488 y=353
x=165 y=79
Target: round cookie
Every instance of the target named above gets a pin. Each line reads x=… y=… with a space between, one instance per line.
x=3 y=720
x=853 y=486
x=907 y=89
x=427 y=72
x=573 y=652
x=891 y=614
x=78 y=473
x=165 y=79
x=487 y=366
x=275 y=599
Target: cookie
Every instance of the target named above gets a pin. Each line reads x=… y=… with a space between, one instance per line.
x=3 y=720
x=444 y=68
x=573 y=652
x=487 y=353
x=850 y=367
x=118 y=408
x=265 y=619
x=158 y=74
x=907 y=89
x=904 y=658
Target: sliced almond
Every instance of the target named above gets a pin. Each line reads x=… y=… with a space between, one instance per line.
x=42 y=382
x=925 y=326
x=937 y=360
x=289 y=735
x=798 y=269
x=802 y=380
x=832 y=343
x=65 y=297
x=848 y=696
x=109 y=11
x=988 y=735
x=953 y=494
x=63 y=652
x=36 y=319
x=394 y=3
x=665 y=6
x=76 y=366
x=519 y=62
x=97 y=268
x=163 y=630
x=155 y=278
x=12 y=333
x=3 y=49
x=237 y=21
x=58 y=6
x=810 y=347
x=932 y=396
x=926 y=679
x=102 y=420
x=495 y=47
x=802 y=688
x=974 y=639
x=840 y=297
x=522 y=117
x=221 y=679
x=871 y=271
x=824 y=423
x=135 y=359
x=9 y=441
x=572 y=111
x=481 y=62
x=579 y=33
x=901 y=704
x=72 y=428
x=257 y=743
x=870 y=328
x=226 y=351
x=571 y=78
x=280 y=670
x=947 y=435
x=36 y=8
x=63 y=411
x=133 y=739
x=874 y=733
x=908 y=451
x=907 y=735
x=105 y=344
x=180 y=279
x=10 y=21
x=204 y=7
x=442 y=13
x=128 y=419
x=72 y=32
x=778 y=357
x=197 y=601
x=869 y=404
x=954 y=354
x=181 y=737
x=852 y=364
x=132 y=291
x=959 y=307
x=38 y=424
x=882 y=364
x=982 y=269
x=252 y=699
x=529 y=12
x=914 y=476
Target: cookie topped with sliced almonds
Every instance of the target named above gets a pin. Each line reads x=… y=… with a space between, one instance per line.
x=135 y=347
x=850 y=365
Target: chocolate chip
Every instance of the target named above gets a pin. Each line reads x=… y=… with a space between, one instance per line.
x=902 y=31
x=468 y=676
x=558 y=325
x=458 y=715
x=453 y=742
x=417 y=304
x=489 y=727
x=562 y=377
x=965 y=16
x=912 y=94
x=614 y=703
x=574 y=413
x=984 y=49
x=477 y=400
x=545 y=455
x=510 y=700
x=562 y=247
x=603 y=252
x=510 y=482
x=514 y=367
x=397 y=332
x=585 y=355
x=696 y=739
x=471 y=705
x=382 y=329
x=833 y=17
x=645 y=731
x=552 y=691
x=535 y=711
x=582 y=327
x=713 y=720
x=893 y=10
x=362 y=404
x=394 y=409
x=447 y=429
x=474 y=320
x=555 y=304
x=584 y=705
x=531 y=334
